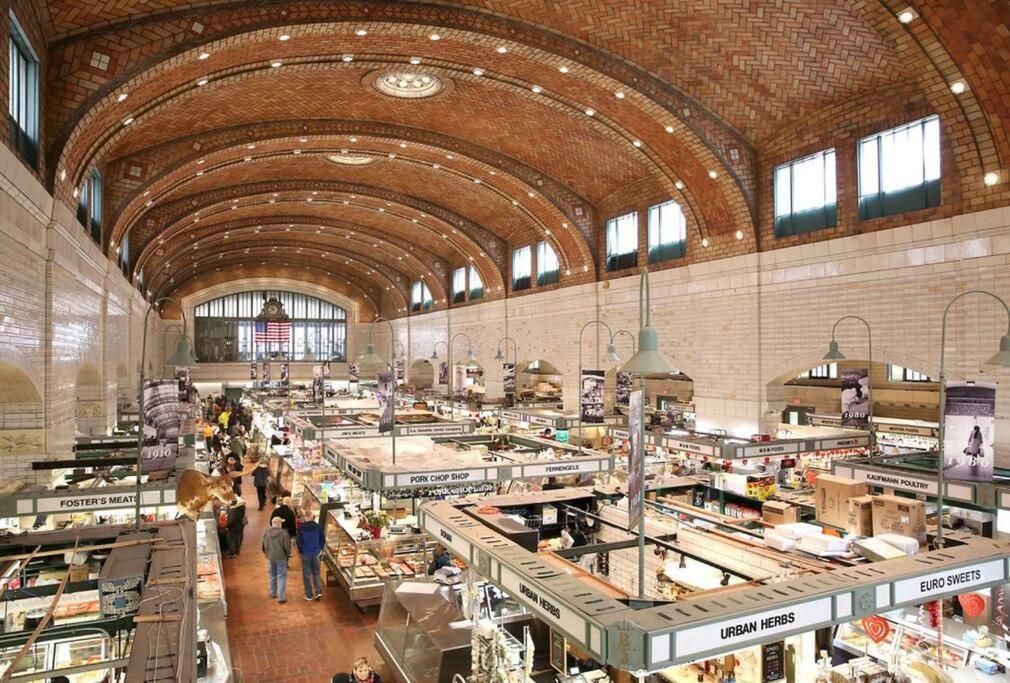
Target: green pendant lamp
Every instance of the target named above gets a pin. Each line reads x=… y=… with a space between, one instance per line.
x=833 y=352
x=648 y=360
x=183 y=356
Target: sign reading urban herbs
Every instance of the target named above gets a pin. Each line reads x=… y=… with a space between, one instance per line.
x=856 y=398
x=592 y=396
x=384 y=396
x=162 y=425
x=969 y=431
x=624 y=385
x=636 y=454
x=508 y=378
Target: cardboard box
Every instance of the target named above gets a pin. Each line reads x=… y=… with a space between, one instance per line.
x=831 y=498
x=860 y=516
x=777 y=512
x=902 y=516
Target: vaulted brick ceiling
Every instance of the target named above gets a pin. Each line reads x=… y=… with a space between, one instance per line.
x=550 y=109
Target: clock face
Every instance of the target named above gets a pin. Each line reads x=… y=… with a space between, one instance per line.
x=272 y=309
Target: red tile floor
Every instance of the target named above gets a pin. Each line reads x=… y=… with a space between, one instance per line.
x=297 y=642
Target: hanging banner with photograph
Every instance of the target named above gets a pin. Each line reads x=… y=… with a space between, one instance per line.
x=353 y=371
x=162 y=425
x=592 y=396
x=253 y=371
x=285 y=374
x=384 y=395
x=624 y=385
x=636 y=453
x=443 y=373
x=399 y=371
x=326 y=370
x=459 y=382
x=969 y=431
x=856 y=398
x=266 y=372
x=508 y=378
x=182 y=376
x=1000 y=601
x=318 y=392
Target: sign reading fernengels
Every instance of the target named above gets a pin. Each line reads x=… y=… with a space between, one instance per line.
x=562 y=467
x=948 y=581
x=896 y=480
x=758 y=627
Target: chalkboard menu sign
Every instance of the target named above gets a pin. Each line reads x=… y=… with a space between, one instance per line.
x=559 y=652
x=773 y=661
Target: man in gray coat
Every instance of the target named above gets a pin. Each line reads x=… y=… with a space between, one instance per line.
x=277 y=547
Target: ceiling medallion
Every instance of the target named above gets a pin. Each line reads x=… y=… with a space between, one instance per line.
x=408 y=85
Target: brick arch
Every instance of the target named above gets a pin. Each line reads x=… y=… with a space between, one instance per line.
x=788 y=370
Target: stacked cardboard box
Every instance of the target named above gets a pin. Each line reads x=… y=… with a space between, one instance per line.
x=831 y=498
x=860 y=521
x=902 y=516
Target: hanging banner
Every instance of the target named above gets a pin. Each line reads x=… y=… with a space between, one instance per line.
x=384 y=395
x=182 y=376
x=635 y=455
x=624 y=385
x=399 y=372
x=592 y=396
x=326 y=370
x=266 y=372
x=459 y=383
x=508 y=378
x=285 y=374
x=318 y=391
x=443 y=373
x=856 y=398
x=1000 y=601
x=162 y=425
x=253 y=371
x=969 y=431
x=353 y=371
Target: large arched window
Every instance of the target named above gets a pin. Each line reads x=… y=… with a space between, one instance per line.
x=226 y=328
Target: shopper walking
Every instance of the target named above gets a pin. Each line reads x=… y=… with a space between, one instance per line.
x=310 y=547
x=285 y=512
x=276 y=545
x=261 y=479
x=236 y=526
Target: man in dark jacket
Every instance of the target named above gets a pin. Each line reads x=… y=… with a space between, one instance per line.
x=276 y=546
x=261 y=479
x=310 y=547
x=285 y=512
x=236 y=527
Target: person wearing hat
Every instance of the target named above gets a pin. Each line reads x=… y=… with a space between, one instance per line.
x=276 y=545
x=261 y=479
x=287 y=513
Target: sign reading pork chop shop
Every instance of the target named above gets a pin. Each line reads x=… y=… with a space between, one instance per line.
x=756 y=628
x=960 y=580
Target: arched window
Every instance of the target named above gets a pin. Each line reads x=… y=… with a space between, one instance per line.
x=226 y=328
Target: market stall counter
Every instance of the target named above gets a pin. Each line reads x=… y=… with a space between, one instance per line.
x=363 y=425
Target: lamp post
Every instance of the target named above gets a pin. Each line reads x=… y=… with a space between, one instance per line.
x=471 y=362
x=836 y=355
x=434 y=349
x=646 y=361
x=515 y=352
x=611 y=356
x=613 y=340
x=1001 y=358
x=371 y=357
x=182 y=357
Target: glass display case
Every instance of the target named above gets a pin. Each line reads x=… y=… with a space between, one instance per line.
x=47 y=656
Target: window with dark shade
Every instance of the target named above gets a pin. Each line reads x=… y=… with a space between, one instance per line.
x=23 y=95
x=547 y=265
x=899 y=169
x=667 y=232
x=806 y=195
x=522 y=268
x=622 y=241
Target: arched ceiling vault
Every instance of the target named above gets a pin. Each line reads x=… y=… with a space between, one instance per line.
x=236 y=109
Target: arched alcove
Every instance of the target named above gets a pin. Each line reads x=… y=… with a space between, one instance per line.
x=538 y=381
x=89 y=401
x=22 y=414
x=422 y=374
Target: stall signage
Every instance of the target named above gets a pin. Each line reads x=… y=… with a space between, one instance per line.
x=449 y=539
x=509 y=415
x=688 y=446
x=758 y=627
x=770 y=449
x=958 y=580
x=440 y=478
x=353 y=471
x=91 y=502
x=853 y=442
x=560 y=469
x=896 y=480
x=345 y=433
x=436 y=429
x=620 y=433
x=547 y=606
x=907 y=429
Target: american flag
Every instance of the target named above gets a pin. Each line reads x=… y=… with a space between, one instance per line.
x=273 y=331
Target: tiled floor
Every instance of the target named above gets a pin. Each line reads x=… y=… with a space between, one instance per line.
x=297 y=642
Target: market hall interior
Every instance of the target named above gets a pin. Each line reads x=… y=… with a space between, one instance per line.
x=780 y=221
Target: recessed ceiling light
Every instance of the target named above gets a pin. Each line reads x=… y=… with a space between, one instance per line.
x=990 y=178
x=590 y=112
x=477 y=180
x=958 y=87
x=353 y=139
x=637 y=143
x=391 y=155
x=63 y=176
x=515 y=202
x=713 y=174
x=563 y=69
x=199 y=172
x=669 y=129
x=907 y=15
x=283 y=37
x=200 y=161
x=296 y=151
x=501 y=49
x=361 y=32
x=128 y=120
x=403 y=144
x=315 y=193
x=537 y=89
x=448 y=156
x=436 y=166
x=478 y=71
x=348 y=58
x=704 y=242
x=247 y=159
x=203 y=55
x=434 y=36
x=679 y=185
x=202 y=82
x=619 y=95
x=739 y=234
x=415 y=60
x=530 y=194
x=276 y=63
x=121 y=97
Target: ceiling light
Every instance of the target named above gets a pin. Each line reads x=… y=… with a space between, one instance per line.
x=990 y=178
x=250 y=146
x=679 y=185
x=619 y=95
x=202 y=82
x=515 y=202
x=958 y=87
x=353 y=139
x=361 y=32
x=704 y=242
x=907 y=15
x=199 y=173
x=713 y=174
x=585 y=269
x=200 y=161
x=529 y=194
x=122 y=97
x=203 y=55
x=436 y=166
x=590 y=112
x=637 y=143
x=247 y=159
x=537 y=89
x=296 y=151
x=739 y=234
x=501 y=49
x=478 y=72
x=415 y=60
x=403 y=144
x=303 y=139
x=348 y=58
x=276 y=63
x=477 y=180
x=128 y=120
x=563 y=69
x=669 y=129
x=434 y=36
